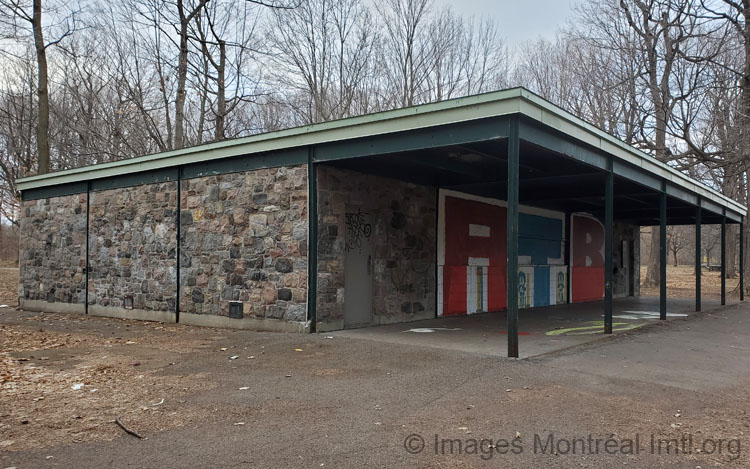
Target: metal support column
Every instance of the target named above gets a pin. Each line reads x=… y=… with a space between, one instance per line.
x=723 y=260
x=312 y=236
x=608 y=245
x=663 y=253
x=512 y=238
x=698 y=261
x=742 y=259
x=87 y=266
x=568 y=260
x=178 y=250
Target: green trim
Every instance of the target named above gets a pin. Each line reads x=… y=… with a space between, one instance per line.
x=472 y=108
x=734 y=217
x=55 y=191
x=710 y=206
x=434 y=137
x=634 y=174
x=493 y=104
x=553 y=140
x=680 y=193
x=135 y=179
x=290 y=157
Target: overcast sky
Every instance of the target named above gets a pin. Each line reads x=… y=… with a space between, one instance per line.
x=518 y=20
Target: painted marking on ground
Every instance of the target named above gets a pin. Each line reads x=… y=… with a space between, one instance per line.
x=426 y=330
x=594 y=327
x=646 y=315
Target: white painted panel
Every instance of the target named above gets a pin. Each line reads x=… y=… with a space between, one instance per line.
x=480 y=231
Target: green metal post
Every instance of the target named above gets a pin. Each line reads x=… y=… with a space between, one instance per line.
x=723 y=260
x=663 y=253
x=312 y=236
x=512 y=238
x=608 y=245
x=178 y=250
x=88 y=254
x=742 y=259
x=698 y=258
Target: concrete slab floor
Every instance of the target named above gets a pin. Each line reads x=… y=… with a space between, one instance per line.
x=541 y=330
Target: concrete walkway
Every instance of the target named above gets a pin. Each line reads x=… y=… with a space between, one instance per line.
x=541 y=330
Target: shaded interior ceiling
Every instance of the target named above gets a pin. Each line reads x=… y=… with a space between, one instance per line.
x=547 y=180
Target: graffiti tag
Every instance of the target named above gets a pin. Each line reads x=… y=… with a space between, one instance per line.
x=357 y=229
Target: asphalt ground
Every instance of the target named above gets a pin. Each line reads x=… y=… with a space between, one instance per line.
x=669 y=394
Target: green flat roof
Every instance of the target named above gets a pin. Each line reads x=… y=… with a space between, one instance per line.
x=498 y=103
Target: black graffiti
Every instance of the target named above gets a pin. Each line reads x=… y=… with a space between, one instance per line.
x=357 y=229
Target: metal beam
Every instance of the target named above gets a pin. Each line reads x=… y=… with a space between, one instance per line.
x=135 y=179
x=636 y=174
x=608 y=245
x=251 y=162
x=475 y=171
x=723 y=260
x=512 y=238
x=461 y=133
x=312 y=240
x=544 y=137
x=55 y=191
x=663 y=254
x=698 y=258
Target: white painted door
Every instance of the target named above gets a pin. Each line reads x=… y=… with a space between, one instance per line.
x=358 y=269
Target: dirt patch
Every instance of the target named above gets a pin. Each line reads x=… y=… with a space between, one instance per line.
x=8 y=286
x=62 y=387
x=681 y=283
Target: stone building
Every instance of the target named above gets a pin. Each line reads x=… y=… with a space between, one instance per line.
x=392 y=217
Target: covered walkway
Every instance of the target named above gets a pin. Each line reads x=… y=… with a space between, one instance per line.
x=543 y=330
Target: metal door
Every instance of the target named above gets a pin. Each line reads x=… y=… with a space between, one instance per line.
x=358 y=269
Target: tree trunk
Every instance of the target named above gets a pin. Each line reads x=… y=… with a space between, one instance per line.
x=182 y=67
x=652 y=272
x=42 y=132
x=732 y=239
x=221 y=103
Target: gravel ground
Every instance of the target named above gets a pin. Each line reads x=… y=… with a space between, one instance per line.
x=291 y=400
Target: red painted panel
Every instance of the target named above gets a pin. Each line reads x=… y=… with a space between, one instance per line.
x=459 y=247
x=454 y=290
x=587 y=269
x=588 y=284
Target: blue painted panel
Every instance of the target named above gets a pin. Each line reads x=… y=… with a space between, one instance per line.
x=541 y=286
x=540 y=237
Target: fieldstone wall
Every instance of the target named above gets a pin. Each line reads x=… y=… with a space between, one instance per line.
x=403 y=233
x=52 y=257
x=244 y=239
x=133 y=248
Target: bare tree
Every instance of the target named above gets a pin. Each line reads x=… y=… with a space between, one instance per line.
x=407 y=48
x=676 y=240
x=18 y=19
